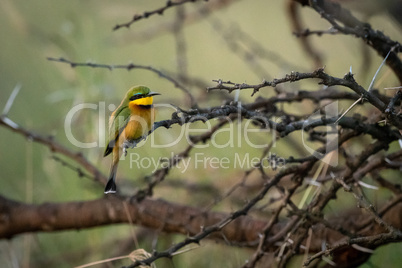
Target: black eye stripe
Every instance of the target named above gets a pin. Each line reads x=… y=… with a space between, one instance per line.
x=136 y=96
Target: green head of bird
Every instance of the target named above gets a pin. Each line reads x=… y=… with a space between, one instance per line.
x=139 y=95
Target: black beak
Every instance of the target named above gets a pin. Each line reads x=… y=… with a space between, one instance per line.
x=153 y=94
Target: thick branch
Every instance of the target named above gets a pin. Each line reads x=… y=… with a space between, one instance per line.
x=17 y=218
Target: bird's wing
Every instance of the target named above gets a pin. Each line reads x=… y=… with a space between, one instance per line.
x=118 y=121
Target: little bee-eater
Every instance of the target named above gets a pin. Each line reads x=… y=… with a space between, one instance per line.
x=128 y=125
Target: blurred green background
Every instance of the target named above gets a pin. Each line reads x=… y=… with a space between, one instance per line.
x=81 y=31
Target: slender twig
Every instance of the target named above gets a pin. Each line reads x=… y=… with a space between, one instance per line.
x=308 y=32
x=129 y=67
x=48 y=141
x=337 y=15
x=54 y=146
x=368 y=241
x=328 y=80
x=147 y=14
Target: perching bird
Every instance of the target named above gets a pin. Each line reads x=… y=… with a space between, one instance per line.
x=128 y=125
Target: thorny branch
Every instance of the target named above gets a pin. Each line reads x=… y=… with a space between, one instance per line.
x=344 y=22
x=147 y=14
x=328 y=80
x=129 y=67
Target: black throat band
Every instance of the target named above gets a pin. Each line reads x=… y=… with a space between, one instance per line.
x=146 y=106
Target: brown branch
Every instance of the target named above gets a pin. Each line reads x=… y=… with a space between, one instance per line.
x=18 y=218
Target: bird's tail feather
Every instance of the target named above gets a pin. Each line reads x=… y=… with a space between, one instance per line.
x=111 y=184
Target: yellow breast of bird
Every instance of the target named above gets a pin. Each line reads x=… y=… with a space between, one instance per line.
x=141 y=121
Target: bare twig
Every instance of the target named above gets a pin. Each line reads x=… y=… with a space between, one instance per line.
x=129 y=67
x=147 y=14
